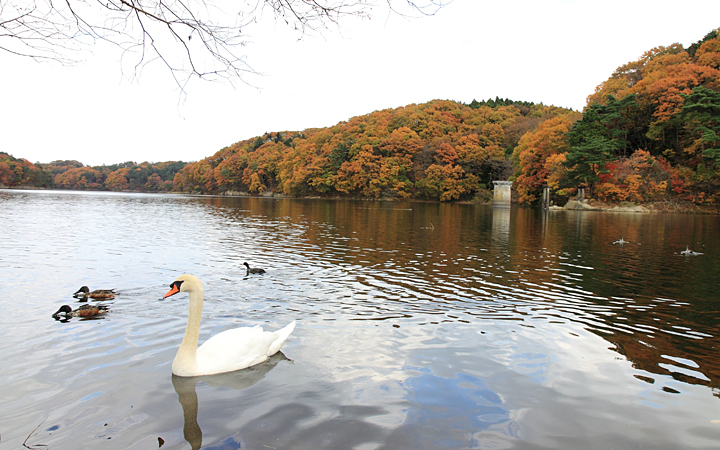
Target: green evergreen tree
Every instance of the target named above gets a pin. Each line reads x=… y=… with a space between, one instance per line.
x=591 y=147
x=701 y=115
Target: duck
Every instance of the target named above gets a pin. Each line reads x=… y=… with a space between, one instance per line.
x=100 y=294
x=688 y=252
x=621 y=241
x=253 y=269
x=231 y=350
x=83 y=311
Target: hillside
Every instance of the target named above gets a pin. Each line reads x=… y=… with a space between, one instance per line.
x=650 y=133
x=128 y=176
x=440 y=150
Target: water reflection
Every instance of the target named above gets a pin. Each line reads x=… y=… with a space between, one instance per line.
x=501 y=226
x=435 y=412
x=446 y=412
x=242 y=379
x=419 y=324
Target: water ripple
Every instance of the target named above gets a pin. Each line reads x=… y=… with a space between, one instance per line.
x=387 y=307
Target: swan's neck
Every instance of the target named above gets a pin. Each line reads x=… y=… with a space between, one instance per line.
x=185 y=362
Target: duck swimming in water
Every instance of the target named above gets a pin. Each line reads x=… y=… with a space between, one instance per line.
x=621 y=241
x=253 y=270
x=98 y=294
x=688 y=252
x=83 y=311
x=231 y=350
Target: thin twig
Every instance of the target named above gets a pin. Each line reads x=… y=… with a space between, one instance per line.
x=34 y=446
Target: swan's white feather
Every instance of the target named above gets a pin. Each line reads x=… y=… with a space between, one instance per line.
x=239 y=348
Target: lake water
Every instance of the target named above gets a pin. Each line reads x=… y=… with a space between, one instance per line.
x=419 y=325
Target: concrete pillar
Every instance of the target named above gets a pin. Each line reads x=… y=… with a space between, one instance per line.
x=501 y=194
x=546 y=197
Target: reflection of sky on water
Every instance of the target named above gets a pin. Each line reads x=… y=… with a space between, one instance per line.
x=446 y=412
x=440 y=413
x=487 y=331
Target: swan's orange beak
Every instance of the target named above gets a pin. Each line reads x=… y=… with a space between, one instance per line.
x=174 y=289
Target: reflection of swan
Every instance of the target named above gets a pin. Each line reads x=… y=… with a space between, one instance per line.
x=621 y=241
x=83 y=311
x=253 y=270
x=230 y=350
x=688 y=252
x=185 y=388
x=100 y=294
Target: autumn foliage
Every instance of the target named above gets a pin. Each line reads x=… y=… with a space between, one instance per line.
x=21 y=172
x=651 y=132
x=128 y=176
x=441 y=150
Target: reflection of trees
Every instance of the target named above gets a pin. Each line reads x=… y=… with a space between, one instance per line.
x=639 y=297
x=657 y=302
x=663 y=354
x=558 y=267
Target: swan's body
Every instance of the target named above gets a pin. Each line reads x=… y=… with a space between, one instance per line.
x=621 y=241
x=253 y=270
x=688 y=252
x=83 y=311
x=100 y=294
x=228 y=351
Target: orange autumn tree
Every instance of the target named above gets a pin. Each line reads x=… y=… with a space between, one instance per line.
x=538 y=153
x=117 y=180
x=361 y=175
x=7 y=176
x=444 y=183
x=80 y=178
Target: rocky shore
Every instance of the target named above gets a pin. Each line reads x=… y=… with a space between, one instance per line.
x=630 y=207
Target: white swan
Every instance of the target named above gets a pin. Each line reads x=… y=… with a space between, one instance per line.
x=230 y=350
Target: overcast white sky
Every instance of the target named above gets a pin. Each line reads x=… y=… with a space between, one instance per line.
x=554 y=51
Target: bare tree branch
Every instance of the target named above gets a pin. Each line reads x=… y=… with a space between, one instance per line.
x=192 y=38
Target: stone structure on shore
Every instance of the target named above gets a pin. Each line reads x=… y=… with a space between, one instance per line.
x=502 y=195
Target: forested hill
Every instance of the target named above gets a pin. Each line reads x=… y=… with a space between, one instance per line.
x=127 y=176
x=440 y=150
x=649 y=133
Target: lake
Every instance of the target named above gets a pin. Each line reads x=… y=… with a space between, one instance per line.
x=419 y=325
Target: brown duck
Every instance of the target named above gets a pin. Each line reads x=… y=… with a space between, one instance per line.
x=99 y=294
x=82 y=311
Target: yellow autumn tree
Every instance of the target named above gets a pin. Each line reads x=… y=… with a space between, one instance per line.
x=532 y=153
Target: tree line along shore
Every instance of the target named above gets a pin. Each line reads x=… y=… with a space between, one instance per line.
x=649 y=134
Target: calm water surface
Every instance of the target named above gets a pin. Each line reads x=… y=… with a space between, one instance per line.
x=420 y=326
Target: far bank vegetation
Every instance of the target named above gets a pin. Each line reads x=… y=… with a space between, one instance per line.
x=649 y=133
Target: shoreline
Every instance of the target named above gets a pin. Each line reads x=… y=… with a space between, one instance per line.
x=643 y=208
x=672 y=207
